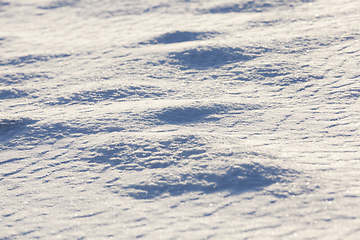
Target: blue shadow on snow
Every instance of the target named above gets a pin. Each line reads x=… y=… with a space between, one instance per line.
x=191 y=114
x=209 y=57
x=252 y=6
x=180 y=36
x=235 y=180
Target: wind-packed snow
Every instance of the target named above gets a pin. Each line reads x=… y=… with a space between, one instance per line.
x=179 y=119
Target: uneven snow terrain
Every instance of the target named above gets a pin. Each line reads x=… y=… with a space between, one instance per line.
x=179 y=119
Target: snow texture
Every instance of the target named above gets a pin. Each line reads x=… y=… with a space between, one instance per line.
x=179 y=119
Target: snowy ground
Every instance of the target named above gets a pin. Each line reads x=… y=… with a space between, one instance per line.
x=179 y=119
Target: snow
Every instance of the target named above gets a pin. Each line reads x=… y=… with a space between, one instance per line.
x=179 y=119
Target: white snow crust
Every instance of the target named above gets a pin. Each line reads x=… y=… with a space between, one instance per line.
x=179 y=119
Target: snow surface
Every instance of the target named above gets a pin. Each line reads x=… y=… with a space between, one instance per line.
x=179 y=119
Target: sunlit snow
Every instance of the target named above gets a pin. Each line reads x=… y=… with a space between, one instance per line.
x=179 y=119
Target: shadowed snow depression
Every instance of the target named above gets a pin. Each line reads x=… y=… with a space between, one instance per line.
x=174 y=119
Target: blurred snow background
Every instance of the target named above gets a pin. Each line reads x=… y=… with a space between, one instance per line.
x=179 y=119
